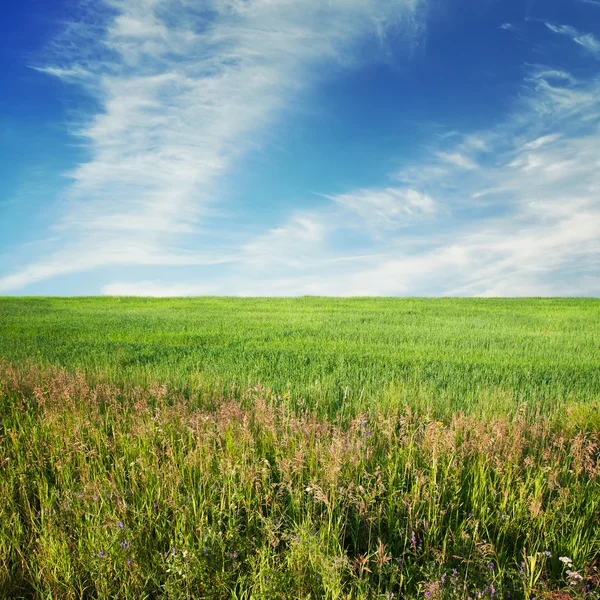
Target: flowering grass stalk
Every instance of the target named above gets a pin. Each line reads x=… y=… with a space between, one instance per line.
x=113 y=491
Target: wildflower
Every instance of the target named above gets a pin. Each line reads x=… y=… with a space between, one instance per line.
x=128 y=561
x=173 y=551
x=125 y=544
x=101 y=554
x=205 y=551
x=120 y=525
x=427 y=594
x=566 y=560
x=546 y=553
x=491 y=566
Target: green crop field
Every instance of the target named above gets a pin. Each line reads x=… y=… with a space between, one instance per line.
x=299 y=448
x=451 y=354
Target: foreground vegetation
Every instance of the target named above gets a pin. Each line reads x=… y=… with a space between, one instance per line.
x=394 y=449
x=123 y=492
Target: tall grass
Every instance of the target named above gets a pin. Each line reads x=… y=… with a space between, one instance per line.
x=121 y=491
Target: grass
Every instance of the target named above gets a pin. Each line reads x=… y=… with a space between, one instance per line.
x=393 y=449
x=339 y=355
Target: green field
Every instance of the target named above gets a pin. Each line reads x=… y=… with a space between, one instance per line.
x=299 y=448
x=342 y=354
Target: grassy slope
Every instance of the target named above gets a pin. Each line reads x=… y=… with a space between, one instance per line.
x=465 y=354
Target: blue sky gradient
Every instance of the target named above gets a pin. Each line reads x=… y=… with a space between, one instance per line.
x=262 y=147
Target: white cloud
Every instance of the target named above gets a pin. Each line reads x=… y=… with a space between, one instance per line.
x=289 y=246
x=541 y=236
x=63 y=73
x=541 y=141
x=184 y=89
x=156 y=289
x=120 y=253
x=476 y=142
x=587 y=40
x=458 y=160
x=387 y=208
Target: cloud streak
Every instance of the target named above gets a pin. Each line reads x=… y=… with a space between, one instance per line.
x=184 y=89
x=531 y=226
x=586 y=40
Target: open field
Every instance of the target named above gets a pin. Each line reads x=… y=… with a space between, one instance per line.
x=393 y=448
x=340 y=355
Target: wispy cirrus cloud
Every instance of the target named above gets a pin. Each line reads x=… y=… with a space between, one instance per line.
x=386 y=208
x=184 y=89
x=586 y=40
x=526 y=224
x=458 y=159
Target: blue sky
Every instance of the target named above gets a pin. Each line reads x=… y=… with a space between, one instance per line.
x=277 y=147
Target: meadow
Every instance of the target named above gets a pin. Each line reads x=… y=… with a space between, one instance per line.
x=299 y=448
